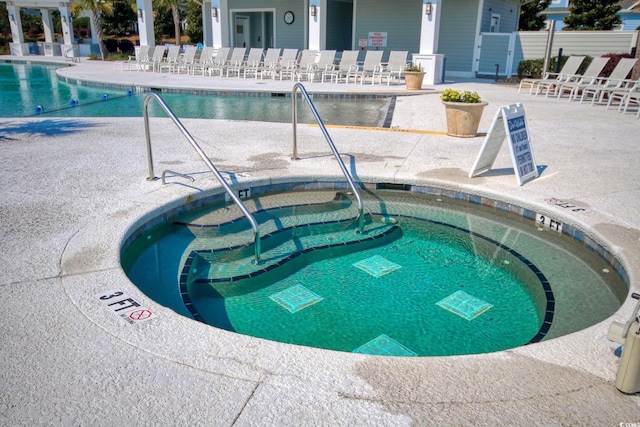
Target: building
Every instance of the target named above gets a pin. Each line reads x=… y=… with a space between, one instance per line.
x=441 y=35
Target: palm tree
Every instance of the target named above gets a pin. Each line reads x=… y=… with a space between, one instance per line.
x=175 y=13
x=95 y=8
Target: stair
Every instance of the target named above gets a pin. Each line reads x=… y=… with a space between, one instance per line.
x=222 y=255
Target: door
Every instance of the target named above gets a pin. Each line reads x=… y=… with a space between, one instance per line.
x=242 y=33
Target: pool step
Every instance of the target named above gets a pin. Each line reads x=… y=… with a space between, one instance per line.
x=233 y=229
x=228 y=271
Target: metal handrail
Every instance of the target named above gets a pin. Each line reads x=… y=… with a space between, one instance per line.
x=205 y=159
x=294 y=114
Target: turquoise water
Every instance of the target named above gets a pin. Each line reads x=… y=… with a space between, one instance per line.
x=386 y=297
x=34 y=90
x=357 y=307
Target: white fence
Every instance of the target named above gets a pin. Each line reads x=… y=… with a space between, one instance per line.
x=502 y=52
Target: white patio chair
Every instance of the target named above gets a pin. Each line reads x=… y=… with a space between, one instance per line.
x=590 y=76
x=348 y=63
x=394 y=67
x=550 y=80
x=372 y=63
x=616 y=80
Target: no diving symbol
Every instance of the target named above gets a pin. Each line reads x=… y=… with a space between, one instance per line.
x=140 y=315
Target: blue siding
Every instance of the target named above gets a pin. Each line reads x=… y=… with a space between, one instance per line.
x=508 y=12
x=458 y=33
x=401 y=20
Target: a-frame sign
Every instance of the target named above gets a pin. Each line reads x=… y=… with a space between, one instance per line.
x=510 y=123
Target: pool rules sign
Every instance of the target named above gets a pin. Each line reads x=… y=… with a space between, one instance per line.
x=510 y=123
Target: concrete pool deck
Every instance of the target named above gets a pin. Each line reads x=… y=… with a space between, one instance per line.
x=72 y=189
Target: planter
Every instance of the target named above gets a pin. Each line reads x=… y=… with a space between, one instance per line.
x=413 y=79
x=463 y=118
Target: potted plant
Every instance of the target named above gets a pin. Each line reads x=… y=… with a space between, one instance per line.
x=413 y=76
x=464 y=111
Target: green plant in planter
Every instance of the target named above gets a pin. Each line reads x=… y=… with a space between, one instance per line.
x=415 y=68
x=467 y=97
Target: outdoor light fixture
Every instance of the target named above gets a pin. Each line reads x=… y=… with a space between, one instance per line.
x=313 y=10
x=140 y=15
x=214 y=12
x=64 y=18
x=13 y=18
x=427 y=8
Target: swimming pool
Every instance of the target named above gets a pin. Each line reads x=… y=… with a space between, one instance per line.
x=431 y=274
x=32 y=90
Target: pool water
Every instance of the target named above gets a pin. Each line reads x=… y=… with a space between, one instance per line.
x=427 y=277
x=34 y=90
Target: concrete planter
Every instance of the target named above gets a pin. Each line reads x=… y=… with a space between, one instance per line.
x=413 y=79
x=463 y=118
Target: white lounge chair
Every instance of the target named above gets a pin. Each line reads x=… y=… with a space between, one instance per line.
x=187 y=60
x=616 y=80
x=171 y=59
x=394 y=67
x=288 y=59
x=620 y=94
x=153 y=60
x=236 y=59
x=253 y=60
x=590 y=76
x=348 y=63
x=569 y=69
x=201 y=63
x=372 y=64
x=324 y=62
x=218 y=61
x=304 y=61
x=269 y=63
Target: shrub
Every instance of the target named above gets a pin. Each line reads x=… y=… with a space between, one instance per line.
x=532 y=68
x=126 y=46
x=111 y=45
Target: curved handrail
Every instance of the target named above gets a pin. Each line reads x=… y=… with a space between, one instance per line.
x=294 y=114
x=205 y=159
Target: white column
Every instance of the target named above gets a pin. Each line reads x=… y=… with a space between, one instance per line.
x=317 y=24
x=15 y=22
x=67 y=27
x=145 y=22
x=431 y=62
x=430 y=27
x=220 y=24
x=47 y=25
x=18 y=47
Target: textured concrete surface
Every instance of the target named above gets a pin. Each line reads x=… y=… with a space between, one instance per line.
x=71 y=190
